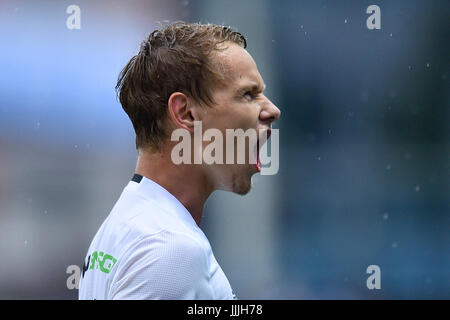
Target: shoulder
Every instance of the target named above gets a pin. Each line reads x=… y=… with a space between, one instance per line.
x=168 y=246
x=142 y=216
x=164 y=265
x=140 y=221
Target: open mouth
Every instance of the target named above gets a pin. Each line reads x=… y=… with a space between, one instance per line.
x=258 y=160
x=259 y=144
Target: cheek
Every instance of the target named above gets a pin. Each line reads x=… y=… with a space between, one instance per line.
x=247 y=116
x=215 y=120
x=233 y=115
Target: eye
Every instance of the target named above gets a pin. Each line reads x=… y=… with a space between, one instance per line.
x=249 y=95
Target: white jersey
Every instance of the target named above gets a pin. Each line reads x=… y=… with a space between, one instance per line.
x=149 y=247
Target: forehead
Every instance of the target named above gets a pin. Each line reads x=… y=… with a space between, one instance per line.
x=238 y=67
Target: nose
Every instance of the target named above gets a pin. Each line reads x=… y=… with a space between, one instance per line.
x=269 y=112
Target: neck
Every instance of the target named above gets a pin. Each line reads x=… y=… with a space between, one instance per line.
x=187 y=183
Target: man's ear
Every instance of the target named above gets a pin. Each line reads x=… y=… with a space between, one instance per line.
x=182 y=111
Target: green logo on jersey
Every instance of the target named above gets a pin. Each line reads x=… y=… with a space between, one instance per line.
x=103 y=261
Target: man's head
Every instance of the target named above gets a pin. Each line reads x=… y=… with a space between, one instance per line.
x=176 y=58
x=193 y=72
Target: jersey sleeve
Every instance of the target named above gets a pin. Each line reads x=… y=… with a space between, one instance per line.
x=164 y=266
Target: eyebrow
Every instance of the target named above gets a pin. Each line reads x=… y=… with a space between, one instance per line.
x=254 y=87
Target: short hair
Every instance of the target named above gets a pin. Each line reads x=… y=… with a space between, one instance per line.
x=176 y=58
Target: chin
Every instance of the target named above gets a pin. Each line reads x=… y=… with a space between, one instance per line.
x=242 y=191
x=242 y=185
x=237 y=181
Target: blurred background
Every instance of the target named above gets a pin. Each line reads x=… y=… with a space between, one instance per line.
x=364 y=145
